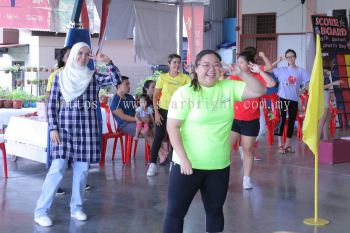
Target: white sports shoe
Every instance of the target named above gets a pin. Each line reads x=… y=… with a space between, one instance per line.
x=79 y=215
x=246 y=183
x=152 y=170
x=44 y=221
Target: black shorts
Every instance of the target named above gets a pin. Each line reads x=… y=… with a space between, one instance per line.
x=246 y=128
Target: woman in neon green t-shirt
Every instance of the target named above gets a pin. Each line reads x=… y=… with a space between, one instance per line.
x=199 y=124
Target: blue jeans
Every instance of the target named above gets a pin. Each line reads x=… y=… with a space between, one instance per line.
x=53 y=180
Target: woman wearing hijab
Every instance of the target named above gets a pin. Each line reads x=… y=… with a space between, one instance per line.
x=73 y=128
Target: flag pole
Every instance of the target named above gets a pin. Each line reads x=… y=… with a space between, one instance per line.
x=314 y=110
x=316 y=221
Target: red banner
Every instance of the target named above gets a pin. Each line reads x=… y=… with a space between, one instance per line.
x=25 y=18
x=193 y=17
x=31 y=3
x=5 y=3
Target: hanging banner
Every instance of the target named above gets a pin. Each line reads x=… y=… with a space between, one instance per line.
x=25 y=18
x=193 y=16
x=333 y=33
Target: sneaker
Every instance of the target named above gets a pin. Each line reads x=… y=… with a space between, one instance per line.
x=152 y=170
x=257 y=158
x=87 y=187
x=44 y=221
x=246 y=183
x=60 y=192
x=79 y=215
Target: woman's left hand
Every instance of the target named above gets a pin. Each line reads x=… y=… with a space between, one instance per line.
x=101 y=58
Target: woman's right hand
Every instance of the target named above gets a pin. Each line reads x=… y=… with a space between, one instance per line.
x=186 y=167
x=55 y=137
x=235 y=70
x=158 y=118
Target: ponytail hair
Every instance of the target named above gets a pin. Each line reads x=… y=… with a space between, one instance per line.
x=194 y=83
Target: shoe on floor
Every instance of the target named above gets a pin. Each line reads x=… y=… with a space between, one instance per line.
x=246 y=183
x=60 y=192
x=87 y=187
x=79 y=215
x=44 y=221
x=257 y=158
x=152 y=170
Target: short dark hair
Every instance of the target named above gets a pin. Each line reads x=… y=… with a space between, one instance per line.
x=123 y=78
x=290 y=51
x=172 y=56
x=327 y=62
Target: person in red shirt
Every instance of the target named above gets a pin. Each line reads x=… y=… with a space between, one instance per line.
x=247 y=113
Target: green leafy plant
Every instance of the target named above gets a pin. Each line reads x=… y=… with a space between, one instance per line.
x=153 y=77
x=2 y=94
x=19 y=94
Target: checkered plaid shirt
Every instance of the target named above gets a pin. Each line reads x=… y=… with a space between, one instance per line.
x=76 y=121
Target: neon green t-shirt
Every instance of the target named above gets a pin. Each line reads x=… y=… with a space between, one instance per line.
x=169 y=85
x=207 y=120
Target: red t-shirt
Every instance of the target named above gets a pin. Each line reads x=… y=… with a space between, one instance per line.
x=248 y=110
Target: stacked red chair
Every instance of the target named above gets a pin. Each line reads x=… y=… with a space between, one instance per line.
x=112 y=133
x=3 y=150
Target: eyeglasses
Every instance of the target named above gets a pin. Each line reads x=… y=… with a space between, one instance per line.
x=207 y=66
x=289 y=57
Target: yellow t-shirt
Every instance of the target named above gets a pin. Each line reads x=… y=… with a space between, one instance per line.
x=50 y=79
x=169 y=85
x=206 y=117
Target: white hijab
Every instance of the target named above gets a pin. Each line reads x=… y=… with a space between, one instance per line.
x=74 y=79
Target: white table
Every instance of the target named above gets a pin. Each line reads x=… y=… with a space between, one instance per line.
x=26 y=137
x=7 y=113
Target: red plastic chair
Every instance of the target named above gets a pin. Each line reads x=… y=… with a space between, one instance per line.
x=271 y=121
x=3 y=149
x=148 y=148
x=111 y=134
x=334 y=111
x=301 y=116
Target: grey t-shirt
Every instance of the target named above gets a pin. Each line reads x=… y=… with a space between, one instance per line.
x=290 y=81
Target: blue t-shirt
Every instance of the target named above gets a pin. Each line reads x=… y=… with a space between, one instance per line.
x=290 y=81
x=127 y=105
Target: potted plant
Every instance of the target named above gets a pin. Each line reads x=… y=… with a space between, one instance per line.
x=35 y=69
x=103 y=94
x=28 y=69
x=8 y=100
x=18 y=97
x=14 y=68
x=41 y=68
x=2 y=97
x=32 y=101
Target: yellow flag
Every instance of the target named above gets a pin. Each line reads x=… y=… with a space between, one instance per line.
x=315 y=105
